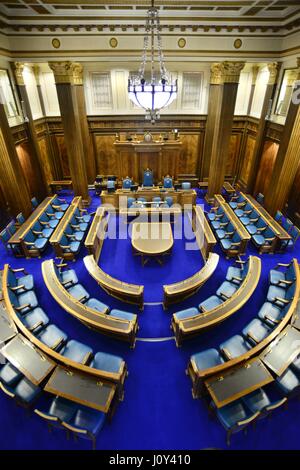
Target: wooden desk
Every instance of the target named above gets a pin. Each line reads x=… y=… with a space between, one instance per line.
x=54 y=185
x=282 y=351
x=131 y=293
x=17 y=238
x=204 y=234
x=238 y=382
x=181 y=290
x=152 y=214
x=34 y=364
x=7 y=328
x=228 y=188
x=153 y=239
x=189 y=327
x=100 y=321
x=96 y=234
x=81 y=388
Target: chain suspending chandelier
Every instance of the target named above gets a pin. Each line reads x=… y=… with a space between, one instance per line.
x=160 y=90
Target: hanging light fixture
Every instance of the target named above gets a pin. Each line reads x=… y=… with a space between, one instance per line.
x=160 y=90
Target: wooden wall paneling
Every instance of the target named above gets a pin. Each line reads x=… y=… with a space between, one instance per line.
x=59 y=143
x=106 y=157
x=233 y=153
x=4 y=210
x=267 y=163
x=189 y=159
x=293 y=209
x=247 y=160
x=24 y=155
x=45 y=155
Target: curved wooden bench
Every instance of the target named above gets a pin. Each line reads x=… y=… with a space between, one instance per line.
x=100 y=321
x=199 y=376
x=192 y=326
x=182 y=290
x=115 y=377
x=96 y=234
x=131 y=293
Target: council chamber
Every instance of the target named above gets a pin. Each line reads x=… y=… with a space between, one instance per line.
x=149 y=225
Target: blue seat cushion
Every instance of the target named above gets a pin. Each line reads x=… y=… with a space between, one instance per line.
x=239 y=212
x=40 y=243
x=208 y=358
x=28 y=297
x=225 y=243
x=232 y=272
x=9 y=374
x=78 y=292
x=258 y=239
x=97 y=305
x=235 y=346
x=269 y=311
x=27 y=391
x=62 y=409
x=216 y=224
x=227 y=288
x=53 y=223
x=77 y=351
x=233 y=205
x=288 y=381
x=187 y=313
x=69 y=275
x=90 y=420
x=27 y=281
x=122 y=314
x=252 y=229
x=108 y=362
x=51 y=335
x=256 y=329
x=58 y=214
x=231 y=414
x=210 y=303
x=276 y=276
x=296 y=364
x=257 y=400
x=245 y=220
x=47 y=232
x=33 y=318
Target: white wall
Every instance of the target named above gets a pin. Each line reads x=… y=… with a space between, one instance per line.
x=243 y=94
x=259 y=92
x=32 y=92
x=48 y=89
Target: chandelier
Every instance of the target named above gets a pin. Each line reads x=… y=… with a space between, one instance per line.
x=159 y=90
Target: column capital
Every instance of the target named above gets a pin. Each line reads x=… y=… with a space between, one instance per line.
x=232 y=71
x=225 y=72
x=18 y=68
x=63 y=72
x=77 y=73
x=216 y=73
x=255 y=70
x=36 y=72
x=273 y=68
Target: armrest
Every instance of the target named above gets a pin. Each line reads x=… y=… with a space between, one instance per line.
x=261 y=229
x=272 y=319
x=7 y=392
x=277 y=404
x=283 y=281
x=239 y=261
x=36 y=232
x=248 y=420
x=75 y=226
x=74 y=429
x=241 y=204
x=46 y=416
x=226 y=353
x=17 y=288
x=284 y=265
x=270 y=239
x=82 y=210
x=223 y=296
x=87 y=357
x=45 y=223
x=223 y=224
x=19 y=270
x=36 y=325
x=254 y=220
x=69 y=235
x=248 y=212
x=229 y=234
x=61 y=265
x=83 y=299
x=280 y=299
x=65 y=283
x=65 y=247
x=213 y=209
x=237 y=278
x=251 y=336
x=62 y=200
x=58 y=342
x=50 y=214
x=235 y=244
x=29 y=243
x=21 y=307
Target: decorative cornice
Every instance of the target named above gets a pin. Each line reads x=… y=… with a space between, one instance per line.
x=18 y=68
x=225 y=72
x=36 y=72
x=63 y=72
x=273 y=68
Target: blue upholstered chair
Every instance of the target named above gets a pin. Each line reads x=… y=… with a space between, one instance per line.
x=238 y=271
x=52 y=337
x=9 y=374
x=234 y=347
x=86 y=423
x=278 y=217
x=272 y=314
x=168 y=182
x=66 y=276
x=215 y=213
x=288 y=383
x=40 y=231
x=82 y=215
x=11 y=228
x=47 y=221
x=122 y=315
x=24 y=302
x=226 y=230
x=237 y=201
x=111 y=186
x=78 y=292
x=35 y=320
x=35 y=245
x=148 y=178
x=256 y=331
x=281 y=296
x=107 y=362
x=287 y=224
x=282 y=278
x=70 y=246
x=19 y=280
x=264 y=240
x=34 y=203
x=127 y=182
x=187 y=313
x=220 y=222
x=258 y=401
x=230 y=244
x=251 y=219
x=77 y=352
x=54 y=215
x=130 y=201
x=4 y=237
x=156 y=199
x=245 y=211
x=234 y=417
x=257 y=227
x=59 y=204
x=73 y=235
x=60 y=410
x=24 y=392
x=260 y=199
x=186 y=185
x=169 y=200
x=294 y=233
x=206 y=359
x=20 y=218
x=78 y=226
x=95 y=304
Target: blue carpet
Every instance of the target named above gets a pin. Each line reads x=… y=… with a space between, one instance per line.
x=158 y=411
